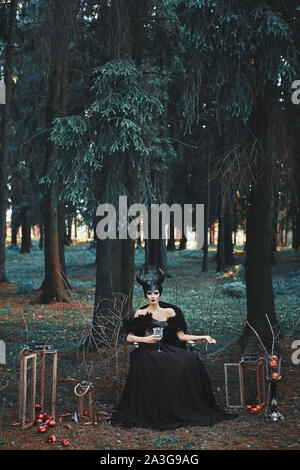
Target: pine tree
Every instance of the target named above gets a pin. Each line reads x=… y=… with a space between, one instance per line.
x=6 y=128
x=62 y=17
x=243 y=46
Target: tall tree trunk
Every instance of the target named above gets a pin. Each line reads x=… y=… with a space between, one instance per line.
x=171 y=241
x=163 y=256
x=260 y=297
x=115 y=262
x=26 y=232
x=153 y=246
x=228 y=246
x=128 y=245
x=69 y=229
x=157 y=248
x=14 y=227
x=183 y=242
x=62 y=241
x=53 y=287
x=259 y=288
x=286 y=230
x=75 y=226
x=221 y=262
x=41 y=242
x=205 y=244
x=42 y=231
x=183 y=239
x=274 y=234
x=147 y=249
x=212 y=234
x=153 y=252
x=108 y=283
x=296 y=231
x=128 y=269
x=115 y=266
x=207 y=211
x=6 y=128
x=162 y=262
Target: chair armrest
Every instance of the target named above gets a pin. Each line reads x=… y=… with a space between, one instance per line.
x=191 y=344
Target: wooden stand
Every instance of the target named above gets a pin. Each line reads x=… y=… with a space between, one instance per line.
x=31 y=354
x=258 y=363
x=274 y=414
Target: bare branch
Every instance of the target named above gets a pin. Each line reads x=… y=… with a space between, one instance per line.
x=254 y=331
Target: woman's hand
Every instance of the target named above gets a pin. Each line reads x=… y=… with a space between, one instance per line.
x=209 y=340
x=151 y=339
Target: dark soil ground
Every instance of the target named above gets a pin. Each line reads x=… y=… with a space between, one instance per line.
x=66 y=325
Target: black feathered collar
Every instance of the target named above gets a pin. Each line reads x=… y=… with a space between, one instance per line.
x=163 y=305
x=176 y=320
x=142 y=322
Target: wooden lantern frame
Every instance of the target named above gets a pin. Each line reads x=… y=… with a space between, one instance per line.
x=260 y=366
x=32 y=353
x=243 y=374
x=238 y=366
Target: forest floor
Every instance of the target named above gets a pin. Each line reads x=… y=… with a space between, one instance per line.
x=211 y=302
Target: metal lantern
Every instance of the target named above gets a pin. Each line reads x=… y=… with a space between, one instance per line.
x=82 y=389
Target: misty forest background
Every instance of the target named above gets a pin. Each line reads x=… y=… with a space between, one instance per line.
x=169 y=101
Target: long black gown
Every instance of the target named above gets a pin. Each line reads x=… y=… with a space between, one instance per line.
x=167 y=389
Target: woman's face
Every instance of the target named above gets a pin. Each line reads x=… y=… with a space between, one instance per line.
x=153 y=296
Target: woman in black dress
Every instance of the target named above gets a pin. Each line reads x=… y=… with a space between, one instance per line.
x=169 y=388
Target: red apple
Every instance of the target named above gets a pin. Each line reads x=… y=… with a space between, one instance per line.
x=273 y=364
x=275 y=376
x=248 y=407
x=86 y=413
x=52 y=423
x=40 y=416
x=254 y=410
x=274 y=358
x=258 y=407
x=65 y=443
x=52 y=439
x=38 y=407
x=42 y=428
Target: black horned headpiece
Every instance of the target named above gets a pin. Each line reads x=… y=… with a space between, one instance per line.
x=151 y=284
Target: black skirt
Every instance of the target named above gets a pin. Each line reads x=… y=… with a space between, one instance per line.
x=166 y=390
